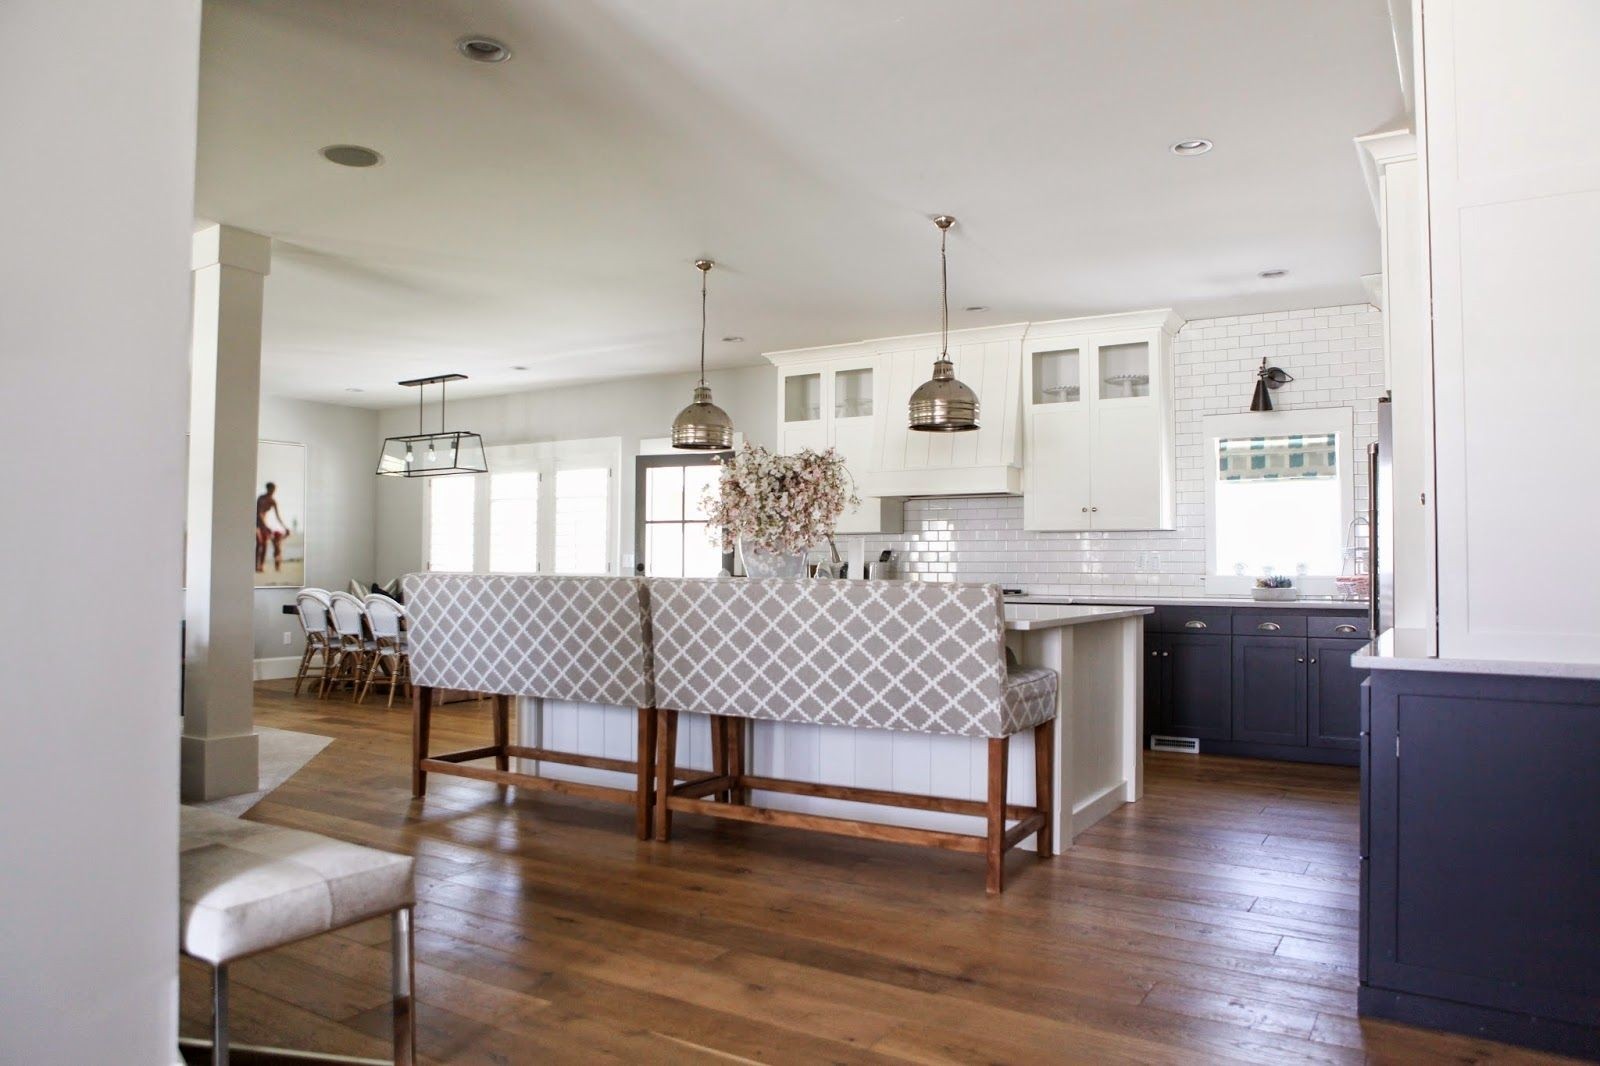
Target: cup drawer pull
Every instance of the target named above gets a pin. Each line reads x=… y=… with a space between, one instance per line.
x=1344 y=629
x=1269 y=627
x=1194 y=623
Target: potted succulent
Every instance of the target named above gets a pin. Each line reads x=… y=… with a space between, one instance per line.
x=1275 y=587
x=777 y=507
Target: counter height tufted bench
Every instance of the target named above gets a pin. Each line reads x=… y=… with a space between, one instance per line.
x=245 y=888
x=927 y=658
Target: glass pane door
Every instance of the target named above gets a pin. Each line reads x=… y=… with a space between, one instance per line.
x=1124 y=370
x=672 y=536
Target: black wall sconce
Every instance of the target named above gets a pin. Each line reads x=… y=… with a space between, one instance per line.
x=1268 y=380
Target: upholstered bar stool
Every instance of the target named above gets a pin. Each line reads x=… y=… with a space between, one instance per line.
x=923 y=658
x=580 y=639
x=245 y=888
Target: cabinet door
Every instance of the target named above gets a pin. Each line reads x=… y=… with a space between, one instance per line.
x=1058 y=475
x=1269 y=689
x=801 y=400
x=1199 y=685
x=1128 y=437
x=1155 y=684
x=1333 y=695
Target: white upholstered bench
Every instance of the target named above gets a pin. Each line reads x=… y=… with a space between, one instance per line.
x=245 y=888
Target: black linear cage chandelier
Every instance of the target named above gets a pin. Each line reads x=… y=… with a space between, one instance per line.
x=943 y=404
x=424 y=454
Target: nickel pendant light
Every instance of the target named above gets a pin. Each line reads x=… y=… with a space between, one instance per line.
x=702 y=426
x=425 y=454
x=943 y=404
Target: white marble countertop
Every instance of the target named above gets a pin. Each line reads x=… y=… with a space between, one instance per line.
x=1410 y=649
x=1028 y=616
x=1309 y=603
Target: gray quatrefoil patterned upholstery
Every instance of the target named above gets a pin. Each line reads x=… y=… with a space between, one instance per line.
x=918 y=657
x=244 y=887
x=584 y=639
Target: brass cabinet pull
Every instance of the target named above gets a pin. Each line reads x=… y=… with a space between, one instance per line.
x=1347 y=628
x=1270 y=627
x=1194 y=623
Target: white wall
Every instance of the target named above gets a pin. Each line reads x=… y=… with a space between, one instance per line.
x=341 y=506
x=97 y=101
x=1336 y=357
x=635 y=409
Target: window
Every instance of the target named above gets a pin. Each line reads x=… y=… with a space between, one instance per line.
x=450 y=522
x=543 y=508
x=514 y=522
x=671 y=530
x=1279 y=497
x=583 y=496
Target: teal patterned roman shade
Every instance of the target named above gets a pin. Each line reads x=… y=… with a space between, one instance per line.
x=1309 y=456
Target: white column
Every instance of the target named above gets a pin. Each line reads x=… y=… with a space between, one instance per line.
x=219 y=741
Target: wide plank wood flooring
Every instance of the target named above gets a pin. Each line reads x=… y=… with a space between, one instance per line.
x=1213 y=922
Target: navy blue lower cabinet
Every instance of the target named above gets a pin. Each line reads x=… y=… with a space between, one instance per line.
x=1269 y=690
x=1199 y=685
x=1333 y=693
x=1481 y=857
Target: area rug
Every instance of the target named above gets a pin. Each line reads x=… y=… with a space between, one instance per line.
x=283 y=753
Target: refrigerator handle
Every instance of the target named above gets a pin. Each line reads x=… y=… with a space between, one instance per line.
x=1372 y=539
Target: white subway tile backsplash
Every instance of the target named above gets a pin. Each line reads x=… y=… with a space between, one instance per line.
x=1336 y=357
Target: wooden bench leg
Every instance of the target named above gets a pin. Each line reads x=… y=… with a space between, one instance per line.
x=999 y=750
x=647 y=763
x=1044 y=758
x=219 y=1014
x=666 y=766
x=720 y=732
x=421 y=718
x=403 y=984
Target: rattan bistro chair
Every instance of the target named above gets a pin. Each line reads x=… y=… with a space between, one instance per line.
x=313 y=608
x=352 y=647
x=389 y=645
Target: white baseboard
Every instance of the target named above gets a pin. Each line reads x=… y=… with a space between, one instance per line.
x=1097 y=807
x=277 y=669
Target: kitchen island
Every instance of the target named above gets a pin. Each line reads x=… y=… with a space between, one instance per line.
x=1096 y=650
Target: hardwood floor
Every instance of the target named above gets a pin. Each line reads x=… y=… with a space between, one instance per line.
x=1213 y=922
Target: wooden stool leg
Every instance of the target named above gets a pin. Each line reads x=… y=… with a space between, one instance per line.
x=219 y=1015
x=999 y=749
x=421 y=715
x=403 y=982
x=736 y=760
x=647 y=764
x=719 y=751
x=1044 y=758
x=666 y=768
x=502 y=731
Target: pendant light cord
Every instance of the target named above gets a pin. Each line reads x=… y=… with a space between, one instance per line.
x=944 y=297
x=703 y=272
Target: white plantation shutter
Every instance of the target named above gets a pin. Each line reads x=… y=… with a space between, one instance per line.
x=451 y=522
x=583 y=498
x=514 y=522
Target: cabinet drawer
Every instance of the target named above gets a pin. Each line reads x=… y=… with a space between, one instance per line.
x=1270 y=623
x=1191 y=619
x=1352 y=626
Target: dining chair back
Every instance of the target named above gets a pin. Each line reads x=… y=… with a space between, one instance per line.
x=314 y=610
x=388 y=654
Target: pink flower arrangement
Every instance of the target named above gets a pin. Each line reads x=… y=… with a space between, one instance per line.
x=782 y=504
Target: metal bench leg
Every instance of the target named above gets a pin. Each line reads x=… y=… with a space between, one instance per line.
x=219 y=1015
x=405 y=1012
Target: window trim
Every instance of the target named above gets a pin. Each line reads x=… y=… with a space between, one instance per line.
x=643 y=463
x=1339 y=420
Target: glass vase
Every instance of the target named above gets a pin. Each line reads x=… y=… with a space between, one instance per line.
x=761 y=563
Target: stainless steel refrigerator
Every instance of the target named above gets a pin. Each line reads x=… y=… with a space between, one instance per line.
x=1380 y=521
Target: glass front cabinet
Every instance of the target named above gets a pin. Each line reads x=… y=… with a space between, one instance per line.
x=832 y=404
x=1098 y=423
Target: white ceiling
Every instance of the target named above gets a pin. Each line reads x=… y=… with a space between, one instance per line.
x=547 y=211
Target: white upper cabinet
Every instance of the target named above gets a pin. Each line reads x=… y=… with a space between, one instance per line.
x=836 y=403
x=1098 y=423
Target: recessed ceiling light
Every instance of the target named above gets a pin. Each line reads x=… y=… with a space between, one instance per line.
x=978 y=307
x=481 y=49
x=519 y=367
x=1197 y=146
x=351 y=155
x=732 y=340
x=1271 y=274
x=352 y=388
